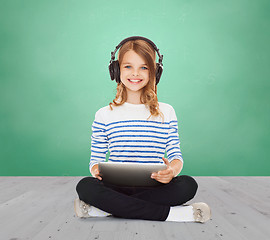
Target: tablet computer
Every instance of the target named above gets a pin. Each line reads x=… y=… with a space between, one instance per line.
x=129 y=174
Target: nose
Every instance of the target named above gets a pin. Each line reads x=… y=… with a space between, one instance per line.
x=135 y=72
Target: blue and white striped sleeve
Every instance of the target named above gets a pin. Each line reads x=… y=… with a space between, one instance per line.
x=173 y=142
x=99 y=141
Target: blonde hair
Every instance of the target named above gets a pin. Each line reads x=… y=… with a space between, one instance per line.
x=149 y=92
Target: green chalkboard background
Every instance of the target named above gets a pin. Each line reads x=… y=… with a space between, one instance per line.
x=54 y=58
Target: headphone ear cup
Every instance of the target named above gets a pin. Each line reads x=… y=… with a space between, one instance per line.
x=159 y=71
x=117 y=71
x=111 y=70
x=114 y=71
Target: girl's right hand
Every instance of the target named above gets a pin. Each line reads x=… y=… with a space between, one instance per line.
x=95 y=172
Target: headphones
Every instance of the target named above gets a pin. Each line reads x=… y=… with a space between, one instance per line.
x=114 y=67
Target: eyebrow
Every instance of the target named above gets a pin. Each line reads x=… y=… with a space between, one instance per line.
x=131 y=63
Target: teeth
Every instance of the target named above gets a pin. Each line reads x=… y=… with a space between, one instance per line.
x=134 y=80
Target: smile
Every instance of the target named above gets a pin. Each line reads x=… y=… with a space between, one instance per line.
x=135 y=81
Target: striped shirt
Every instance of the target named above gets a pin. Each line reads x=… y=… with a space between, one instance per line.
x=129 y=137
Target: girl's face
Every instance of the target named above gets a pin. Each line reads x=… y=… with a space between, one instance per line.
x=134 y=72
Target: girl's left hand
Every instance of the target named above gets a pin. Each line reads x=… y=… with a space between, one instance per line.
x=164 y=176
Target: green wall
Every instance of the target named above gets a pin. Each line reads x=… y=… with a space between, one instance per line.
x=54 y=58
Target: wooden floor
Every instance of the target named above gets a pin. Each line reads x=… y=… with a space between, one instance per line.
x=42 y=208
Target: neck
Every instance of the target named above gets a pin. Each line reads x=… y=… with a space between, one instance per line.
x=134 y=97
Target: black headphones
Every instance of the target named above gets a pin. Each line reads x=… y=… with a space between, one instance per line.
x=114 y=67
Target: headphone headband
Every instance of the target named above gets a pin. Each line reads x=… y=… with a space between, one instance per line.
x=136 y=38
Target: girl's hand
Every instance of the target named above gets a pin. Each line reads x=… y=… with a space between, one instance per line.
x=95 y=172
x=164 y=176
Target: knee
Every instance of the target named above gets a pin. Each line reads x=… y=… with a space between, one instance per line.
x=191 y=186
x=88 y=190
x=84 y=185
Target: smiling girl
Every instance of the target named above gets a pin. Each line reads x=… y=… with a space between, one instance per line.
x=135 y=127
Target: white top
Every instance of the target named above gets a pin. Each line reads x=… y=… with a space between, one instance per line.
x=130 y=137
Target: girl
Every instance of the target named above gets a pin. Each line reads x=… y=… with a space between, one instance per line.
x=135 y=127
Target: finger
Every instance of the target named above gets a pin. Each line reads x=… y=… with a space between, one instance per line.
x=154 y=175
x=163 y=177
x=163 y=180
x=99 y=177
x=160 y=177
x=167 y=171
x=164 y=172
x=166 y=161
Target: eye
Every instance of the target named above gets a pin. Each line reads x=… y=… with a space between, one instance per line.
x=127 y=67
x=144 y=68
